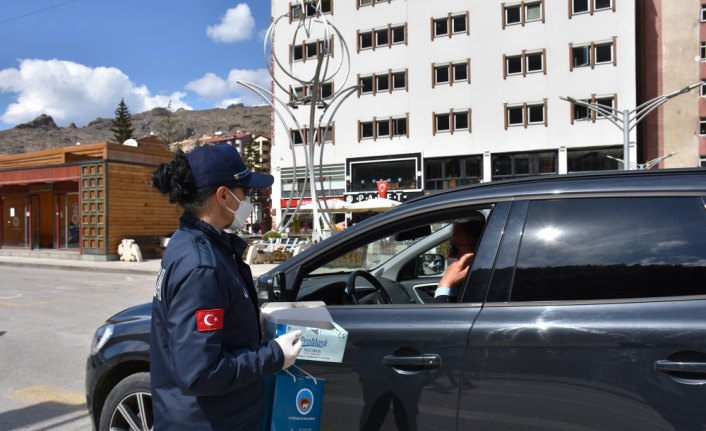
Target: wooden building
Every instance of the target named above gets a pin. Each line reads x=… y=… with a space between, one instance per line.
x=82 y=201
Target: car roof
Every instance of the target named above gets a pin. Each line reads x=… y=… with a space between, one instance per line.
x=595 y=184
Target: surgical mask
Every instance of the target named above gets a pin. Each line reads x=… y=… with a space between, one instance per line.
x=240 y=215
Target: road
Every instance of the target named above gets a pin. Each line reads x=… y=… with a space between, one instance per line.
x=47 y=320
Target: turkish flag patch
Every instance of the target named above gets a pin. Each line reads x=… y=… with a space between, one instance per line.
x=209 y=320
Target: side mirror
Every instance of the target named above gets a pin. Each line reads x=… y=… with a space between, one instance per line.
x=272 y=284
x=431 y=264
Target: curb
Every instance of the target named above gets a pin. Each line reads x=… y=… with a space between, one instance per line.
x=79 y=268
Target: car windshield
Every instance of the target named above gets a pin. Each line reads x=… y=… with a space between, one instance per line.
x=376 y=253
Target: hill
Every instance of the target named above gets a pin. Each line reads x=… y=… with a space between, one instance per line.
x=42 y=133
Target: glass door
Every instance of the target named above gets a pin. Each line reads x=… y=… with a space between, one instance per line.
x=67 y=220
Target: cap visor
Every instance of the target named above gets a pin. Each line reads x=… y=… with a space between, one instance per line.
x=258 y=181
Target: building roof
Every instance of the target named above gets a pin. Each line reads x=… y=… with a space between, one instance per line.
x=76 y=153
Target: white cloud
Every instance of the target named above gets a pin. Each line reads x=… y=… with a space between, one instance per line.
x=235 y=26
x=72 y=92
x=209 y=87
x=223 y=92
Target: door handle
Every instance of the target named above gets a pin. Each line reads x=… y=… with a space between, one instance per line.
x=667 y=366
x=409 y=363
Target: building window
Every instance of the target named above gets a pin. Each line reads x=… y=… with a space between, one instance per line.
x=702 y=126
x=303 y=94
x=387 y=36
x=451 y=72
x=365 y=84
x=593 y=54
x=702 y=52
x=399 y=126
x=400 y=173
x=449 y=25
x=295 y=10
x=525 y=114
x=527 y=62
x=330 y=133
x=703 y=161
x=452 y=121
x=447 y=173
x=703 y=13
x=512 y=165
x=703 y=88
x=365 y=40
x=301 y=138
x=309 y=50
x=297 y=137
x=590 y=6
x=382 y=82
x=582 y=113
x=441 y=74
x=366 y=130
x=383 y=128
x=399 y=80
x=523 y=12
x=593 y=159
x=361 y=3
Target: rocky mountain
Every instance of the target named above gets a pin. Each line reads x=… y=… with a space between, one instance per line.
x=42 y=133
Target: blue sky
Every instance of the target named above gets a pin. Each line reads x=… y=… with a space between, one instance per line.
x=75 y=59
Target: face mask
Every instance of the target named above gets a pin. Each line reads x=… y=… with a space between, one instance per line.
x=244 y=210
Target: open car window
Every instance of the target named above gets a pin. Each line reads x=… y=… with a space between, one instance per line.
x=371 y=256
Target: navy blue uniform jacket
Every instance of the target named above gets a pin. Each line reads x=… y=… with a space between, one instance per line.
x=207 y=380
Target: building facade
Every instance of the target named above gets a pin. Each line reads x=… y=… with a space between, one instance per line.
x=81 y=201
x=671 y=54
x=457 y=92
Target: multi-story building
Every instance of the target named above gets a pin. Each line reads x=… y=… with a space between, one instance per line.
x=456 y=92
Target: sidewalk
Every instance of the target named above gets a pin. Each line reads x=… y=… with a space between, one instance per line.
x=148 y=266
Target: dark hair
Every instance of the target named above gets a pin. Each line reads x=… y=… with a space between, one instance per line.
x=176 y=180
x=469 y=227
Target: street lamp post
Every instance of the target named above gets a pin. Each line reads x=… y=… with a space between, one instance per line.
x=626 y=120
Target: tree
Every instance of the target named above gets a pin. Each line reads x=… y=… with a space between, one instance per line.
x=122 y=123
x=169 y=127
x=251 y=157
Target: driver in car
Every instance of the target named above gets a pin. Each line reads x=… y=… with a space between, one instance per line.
x=463 y=244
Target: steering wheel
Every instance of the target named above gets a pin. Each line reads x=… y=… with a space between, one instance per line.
x=350 y=286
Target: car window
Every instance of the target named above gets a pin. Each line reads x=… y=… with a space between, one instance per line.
x=374 y=254
x=587 y=249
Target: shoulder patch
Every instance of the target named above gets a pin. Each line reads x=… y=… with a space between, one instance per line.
x=209 y=320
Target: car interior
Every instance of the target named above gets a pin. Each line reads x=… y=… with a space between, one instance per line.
x=397 y=267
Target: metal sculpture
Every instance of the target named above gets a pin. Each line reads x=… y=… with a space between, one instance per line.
x=310 y=17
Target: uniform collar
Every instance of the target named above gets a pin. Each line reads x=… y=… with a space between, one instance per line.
x=233 y=242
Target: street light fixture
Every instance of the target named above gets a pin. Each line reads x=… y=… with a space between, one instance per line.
x=626 y=120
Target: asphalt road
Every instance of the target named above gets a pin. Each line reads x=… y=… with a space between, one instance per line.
x=47 y=321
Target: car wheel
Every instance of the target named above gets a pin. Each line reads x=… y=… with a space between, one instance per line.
x=129 y=405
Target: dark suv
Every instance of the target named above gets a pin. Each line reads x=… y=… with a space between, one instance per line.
x=585 y=308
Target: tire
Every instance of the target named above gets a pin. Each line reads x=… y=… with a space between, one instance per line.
x=129 y=405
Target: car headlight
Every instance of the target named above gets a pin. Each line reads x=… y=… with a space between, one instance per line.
x=101 y=337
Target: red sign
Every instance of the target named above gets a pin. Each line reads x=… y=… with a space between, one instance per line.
x=382 y=189
x=209 y=320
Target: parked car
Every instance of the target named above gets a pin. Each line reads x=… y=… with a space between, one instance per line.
x=583 y=309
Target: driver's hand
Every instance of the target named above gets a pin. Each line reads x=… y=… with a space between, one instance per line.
x=457 y=271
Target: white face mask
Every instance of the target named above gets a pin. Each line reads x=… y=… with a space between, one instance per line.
x=240 y=215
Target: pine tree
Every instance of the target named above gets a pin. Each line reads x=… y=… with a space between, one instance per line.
x=251 y=157
x=169 y=127
x=122 y=123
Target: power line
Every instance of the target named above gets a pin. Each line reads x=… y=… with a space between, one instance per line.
x=15 y=18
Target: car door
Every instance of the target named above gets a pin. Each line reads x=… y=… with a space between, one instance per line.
x=402 y=366
x=594 y=319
